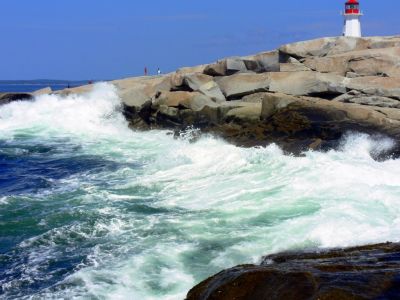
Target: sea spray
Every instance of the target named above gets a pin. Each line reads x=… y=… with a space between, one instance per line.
x=94 y=113
x=93 y=209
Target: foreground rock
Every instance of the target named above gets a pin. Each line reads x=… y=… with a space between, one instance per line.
x=11 y=97
x=6 y=98
x=370 y=272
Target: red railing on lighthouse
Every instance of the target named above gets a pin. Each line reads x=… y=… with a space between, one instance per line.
x=352 y=7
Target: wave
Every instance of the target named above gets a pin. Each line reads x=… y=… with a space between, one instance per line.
x=149 y=215
x=91 y=114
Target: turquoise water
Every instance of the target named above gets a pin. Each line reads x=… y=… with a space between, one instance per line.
x=92 y=210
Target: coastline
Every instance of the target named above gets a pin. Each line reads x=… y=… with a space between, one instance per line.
x=303 y=96
x=306 y=95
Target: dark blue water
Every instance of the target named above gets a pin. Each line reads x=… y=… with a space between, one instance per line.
x=28 y=168
x=90 y=209
x=29 y=174
x=31 y=86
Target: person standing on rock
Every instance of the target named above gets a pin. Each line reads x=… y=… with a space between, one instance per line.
x=145 y=71
x=158 y=71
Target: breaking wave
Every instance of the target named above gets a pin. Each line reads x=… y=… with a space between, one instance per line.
x=89 y=208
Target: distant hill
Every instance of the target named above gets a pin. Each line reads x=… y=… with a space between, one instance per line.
x=43 y=81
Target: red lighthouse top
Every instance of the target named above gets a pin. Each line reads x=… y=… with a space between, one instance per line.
x=352 y=7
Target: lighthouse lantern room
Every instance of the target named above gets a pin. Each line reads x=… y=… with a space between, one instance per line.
x=352 y=15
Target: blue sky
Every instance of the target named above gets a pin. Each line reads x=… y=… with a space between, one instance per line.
x=104 y=39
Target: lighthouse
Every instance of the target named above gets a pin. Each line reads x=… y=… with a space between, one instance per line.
x=352 y=15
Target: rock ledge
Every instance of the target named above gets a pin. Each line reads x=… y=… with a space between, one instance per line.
x=369 y=272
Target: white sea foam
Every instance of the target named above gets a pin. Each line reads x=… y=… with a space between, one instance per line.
x=178 y=211
x=255 y=202
x=94 y=114
x=3 y=200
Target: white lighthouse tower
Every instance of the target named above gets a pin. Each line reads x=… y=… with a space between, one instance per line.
x=352 y=15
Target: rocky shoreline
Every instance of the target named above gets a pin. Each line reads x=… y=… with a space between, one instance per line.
x=302 y=96
x=305 y=95
x=369 y=272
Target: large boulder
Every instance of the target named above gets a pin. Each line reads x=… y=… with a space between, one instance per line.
x=264 y=61
x=6 y=98
x=293 y=67
x=371 y=62
x=204 y=84
x=228 y=66
x=190 y=100
x=337 y=64
x=307 y=83
x=247 y=114
x=390 y=113
x=255 y=98
x=259 y=63
x=376 y=62
x=216 y=69
x=235 y=65
x=135 y=92
x=188 y=70
x=317 y=47
x=379 y=42
x=268 y=103
x=241 y=111
x=368 y=272
x=336 y=45
x=273 y=102
x=239 y=85
x=188 y=109
x=370 y=100
x=178 y=76
x=300 y=123
x=377 y=86
x=44 y=91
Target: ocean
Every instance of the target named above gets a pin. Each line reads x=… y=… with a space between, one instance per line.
x=90 y=209
x=28 y=86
